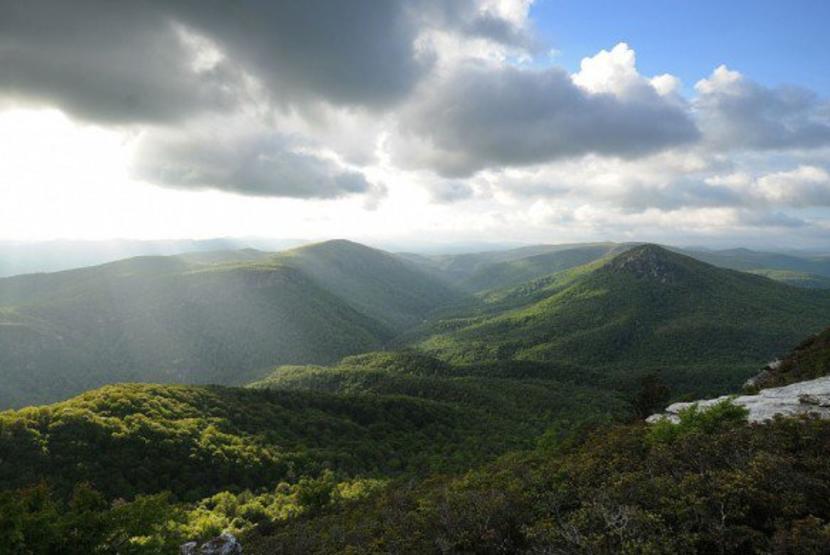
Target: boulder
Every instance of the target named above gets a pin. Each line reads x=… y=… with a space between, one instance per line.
x=224 y=544
x=808 y=397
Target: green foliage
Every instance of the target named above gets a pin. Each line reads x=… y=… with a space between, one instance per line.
x=192 y=320
x=694 y=420
x=509 y=412
x=33 y=521
x=733 y=489
x=315 y=494
x=652 y=396
x=393 y=451
x=377 y=284
x=707 y=328
x=510 y=273
x=785 y=267
x=195 y=441
x=240 y=512
x=809 y=360
x=796 y=279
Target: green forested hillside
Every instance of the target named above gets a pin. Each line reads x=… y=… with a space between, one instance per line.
x=719 y=486
x=477 y=272
x=750 y=260
x=459 y=268
x=304 y=439
x=398 y=451
x=197 y=440
x=198 y=318
x=512 y=406
x=380 y=413
x=381 y=286
x=647 y=308
x=797 y=279
x=180 y=324
x=510 y=273
x=810 y=359
x=203 y=317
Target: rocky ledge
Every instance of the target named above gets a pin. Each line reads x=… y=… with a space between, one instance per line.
x=225 y=544
x=808 y=397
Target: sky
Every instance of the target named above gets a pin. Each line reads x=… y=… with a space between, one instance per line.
x=432 y=121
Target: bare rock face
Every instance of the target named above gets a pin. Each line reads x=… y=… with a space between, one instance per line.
x=648 y=262
x=808 y=397
x=225 y=544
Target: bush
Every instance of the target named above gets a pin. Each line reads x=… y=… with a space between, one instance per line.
x=692 y=420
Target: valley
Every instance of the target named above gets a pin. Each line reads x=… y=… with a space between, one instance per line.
x=280 y=396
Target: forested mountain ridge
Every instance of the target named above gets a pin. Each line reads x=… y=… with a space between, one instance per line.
x=380 y=285
x=216 y=458
x=478 y=271
x=706 y=482
x=750 y=260
x=501 y=275
x=711 y=484
x=486 y=271
x=810 y=359
x=226 y=316
x=399 y=450
x=204 y=317
x=647 y=308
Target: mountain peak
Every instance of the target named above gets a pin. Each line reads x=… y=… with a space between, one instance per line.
x=342 y=246
x=649 y=261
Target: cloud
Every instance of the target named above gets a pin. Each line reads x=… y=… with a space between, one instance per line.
x=479 y=116
x=613 y=71
x=734 y=112
x=112 y=62
x=321 y=100
x=445 y=192
x=256 y=163
x=805 y=186
x=322 y=73
x=129 y=62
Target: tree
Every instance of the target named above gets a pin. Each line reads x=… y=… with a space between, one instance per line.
x=651 y=397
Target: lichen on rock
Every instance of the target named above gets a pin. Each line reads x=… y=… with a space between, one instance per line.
x=811 y=397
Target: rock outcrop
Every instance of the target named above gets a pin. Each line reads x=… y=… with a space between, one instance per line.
x=808 y=361
x=649 y=262
x=224 y=544
x=807 y=397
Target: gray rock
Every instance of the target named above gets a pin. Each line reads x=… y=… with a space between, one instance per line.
x=224 y=544
x=809 y=397
x=758 y=379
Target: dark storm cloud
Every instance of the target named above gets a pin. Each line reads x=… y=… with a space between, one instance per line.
x=356 y=52
x=169 y=63
x=105 y=61
x=127 y=61
x=139 y=62
x=735 y=112
x=483 y=117
x=256 y=164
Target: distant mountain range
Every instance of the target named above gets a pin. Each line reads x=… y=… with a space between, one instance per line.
x=203 y=317
x=478 y=272
x=227 y=316
x=376 y=402
x=29 y=257
x=647 y=308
